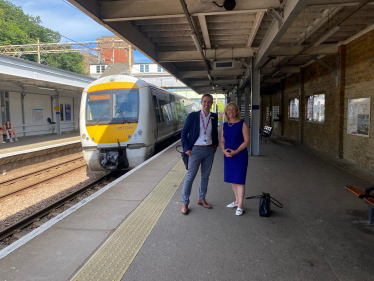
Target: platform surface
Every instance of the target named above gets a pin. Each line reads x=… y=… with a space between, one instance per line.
x=37 y=142
x=314 y=237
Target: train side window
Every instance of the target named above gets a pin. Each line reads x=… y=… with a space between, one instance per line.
x=156 y=108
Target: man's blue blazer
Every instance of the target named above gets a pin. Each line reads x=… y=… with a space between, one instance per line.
x=191 y=130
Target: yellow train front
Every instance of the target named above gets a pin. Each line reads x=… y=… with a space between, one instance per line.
x=122 y=118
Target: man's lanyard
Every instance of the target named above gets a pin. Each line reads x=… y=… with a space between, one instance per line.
x=202 y=119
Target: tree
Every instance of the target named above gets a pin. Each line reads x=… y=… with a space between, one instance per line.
x=18 y=28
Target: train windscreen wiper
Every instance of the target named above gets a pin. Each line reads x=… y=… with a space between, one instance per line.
x=102 y=115
x=120 y=112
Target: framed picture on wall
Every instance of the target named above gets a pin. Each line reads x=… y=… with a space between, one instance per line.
x=358 y=119
x=67 y=112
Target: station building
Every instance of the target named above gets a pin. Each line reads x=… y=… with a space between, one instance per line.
x=39 y=99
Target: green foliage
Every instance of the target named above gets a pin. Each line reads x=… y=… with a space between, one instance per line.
x=18 y=28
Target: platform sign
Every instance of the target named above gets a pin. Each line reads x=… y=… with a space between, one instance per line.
x=67 y=112
x=358 y=121
x=37 y=115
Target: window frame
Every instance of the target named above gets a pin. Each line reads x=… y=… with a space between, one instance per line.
x=298 y=109
x=312 y=107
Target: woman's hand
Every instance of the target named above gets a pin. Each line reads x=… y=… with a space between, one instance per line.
x=227 y=152
x=188 y=152
x=233 y=152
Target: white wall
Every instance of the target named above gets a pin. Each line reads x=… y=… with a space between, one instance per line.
x=33 y=124
x=15 y=108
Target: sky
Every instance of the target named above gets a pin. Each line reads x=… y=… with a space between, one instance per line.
x=69 y=21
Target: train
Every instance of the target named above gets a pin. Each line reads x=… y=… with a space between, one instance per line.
x=122 y=118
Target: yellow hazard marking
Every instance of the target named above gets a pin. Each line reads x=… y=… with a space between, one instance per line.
x=114 y=257
x=111 y=133
x=111 y=86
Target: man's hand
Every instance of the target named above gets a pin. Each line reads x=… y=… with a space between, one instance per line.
x=188 y=152
x=215 y=148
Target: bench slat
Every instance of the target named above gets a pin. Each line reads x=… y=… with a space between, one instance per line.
x=355 y=190
x=369 y=200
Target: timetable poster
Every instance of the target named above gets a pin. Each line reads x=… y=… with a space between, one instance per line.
x=359 y=117
x=37 y=115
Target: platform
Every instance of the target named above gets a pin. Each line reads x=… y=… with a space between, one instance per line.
x=313 y=237
x=31 y=147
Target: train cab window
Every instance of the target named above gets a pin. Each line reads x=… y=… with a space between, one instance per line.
x=125 y=105
x=98 y=109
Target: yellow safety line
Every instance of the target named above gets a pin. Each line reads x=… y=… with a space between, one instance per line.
x=114 y=257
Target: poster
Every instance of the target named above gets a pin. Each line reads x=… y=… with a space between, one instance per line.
x=67 y=112
x=37 y=115
x=358 y=121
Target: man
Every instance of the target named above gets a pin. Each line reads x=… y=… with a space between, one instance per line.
x=200 y=141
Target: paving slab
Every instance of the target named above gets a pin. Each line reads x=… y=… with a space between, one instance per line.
x=53 y=255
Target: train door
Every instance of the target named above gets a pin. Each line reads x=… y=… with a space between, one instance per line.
x=173 y=106
x=156 y=108
x=166 y=114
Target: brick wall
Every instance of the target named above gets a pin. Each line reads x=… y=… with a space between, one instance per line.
x=359 y=83
x=291 y=128
x=323 y=137
x=356 y=79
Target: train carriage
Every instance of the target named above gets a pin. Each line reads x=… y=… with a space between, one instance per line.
x=122 y=118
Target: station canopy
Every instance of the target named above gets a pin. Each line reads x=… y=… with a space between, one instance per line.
x=212 y=49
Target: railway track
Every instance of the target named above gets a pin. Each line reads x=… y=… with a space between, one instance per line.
x=21 y=228
x=32 y=179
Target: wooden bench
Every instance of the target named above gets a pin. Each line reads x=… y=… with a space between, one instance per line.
x=365 y=195
x=266 y=132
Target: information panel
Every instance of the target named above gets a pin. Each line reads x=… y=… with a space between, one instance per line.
x=358 y=122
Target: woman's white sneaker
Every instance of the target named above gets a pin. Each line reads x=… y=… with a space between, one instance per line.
x=232 y=205
x=239 y=212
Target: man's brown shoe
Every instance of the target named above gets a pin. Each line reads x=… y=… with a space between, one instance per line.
x=204 y=204
x=185 y=209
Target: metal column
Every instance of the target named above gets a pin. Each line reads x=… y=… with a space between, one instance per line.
x=246 y=105
x=2 y=104
x=58 y=118
x=23 y=111
x=255 y=114
x=238 y=97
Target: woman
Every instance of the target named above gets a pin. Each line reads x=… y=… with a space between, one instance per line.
x=8 y=128
x=234 y=142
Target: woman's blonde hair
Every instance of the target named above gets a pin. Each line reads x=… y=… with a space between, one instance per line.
x=236 y=108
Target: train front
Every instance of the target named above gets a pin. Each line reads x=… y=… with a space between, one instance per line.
x=110 y=110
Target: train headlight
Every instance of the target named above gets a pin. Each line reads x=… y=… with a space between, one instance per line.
x=83 y=136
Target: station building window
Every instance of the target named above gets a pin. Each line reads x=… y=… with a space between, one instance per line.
x=159 y=69
x=294 y=109
x=315 y=110
x=146 y=68
x=142 y=68
x=100 y=68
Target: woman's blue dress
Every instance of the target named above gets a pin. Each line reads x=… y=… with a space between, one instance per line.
x=235 y=168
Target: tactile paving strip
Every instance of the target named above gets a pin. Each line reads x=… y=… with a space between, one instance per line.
x=114 y=257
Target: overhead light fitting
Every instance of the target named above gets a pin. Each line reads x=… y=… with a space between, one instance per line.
x=327 y=35
x=229 y=5
x=49 y=89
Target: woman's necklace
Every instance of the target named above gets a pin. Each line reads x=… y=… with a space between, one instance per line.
x=231 y=124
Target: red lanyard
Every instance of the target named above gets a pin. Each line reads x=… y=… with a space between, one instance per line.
x=202 y=119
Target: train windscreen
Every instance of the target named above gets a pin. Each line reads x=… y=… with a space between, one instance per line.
x=115 y=106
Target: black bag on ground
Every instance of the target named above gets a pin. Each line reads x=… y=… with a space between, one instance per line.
x=265 y=203
x=184 y=156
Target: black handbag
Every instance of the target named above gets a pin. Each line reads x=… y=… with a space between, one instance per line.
x=265 y=203
x=184 y=156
